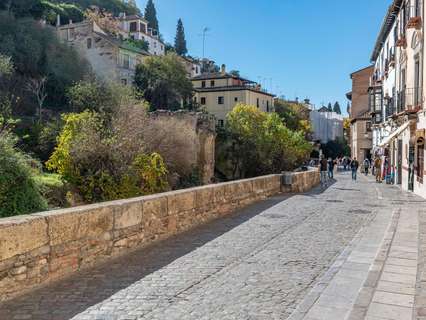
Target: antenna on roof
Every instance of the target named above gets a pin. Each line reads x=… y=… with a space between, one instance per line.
x=204 y=35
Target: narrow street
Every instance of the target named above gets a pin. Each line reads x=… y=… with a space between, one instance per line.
x=261 y=263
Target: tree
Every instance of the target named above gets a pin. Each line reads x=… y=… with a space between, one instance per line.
x=254 y=143
x=163 y=83
x=37 y=87
x=336 y=108
x=235 y=73
x=151 y=16
x=103 y=19
x=6 y=66
x=329 y=107
x=180 y=42
x=295 y=116
x=36 y=53
x=335 y=149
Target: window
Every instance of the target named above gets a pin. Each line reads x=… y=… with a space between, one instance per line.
x=220 y=123
x=236 y=99
x=125 y=63
x=89 y=43
x=124 y=82
x=257 y=102
x=416 y=82
x=203 y=100
x=220 y=100
x=203 y=84
x=143 y=28
x=368 y=126
x=212 y=83
x=195 y=99
x=267 y=105
x=71 y=34
x=420 y=159
x=133 y=26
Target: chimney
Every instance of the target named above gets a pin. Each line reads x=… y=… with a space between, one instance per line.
x=223 y=69
x=58 y=20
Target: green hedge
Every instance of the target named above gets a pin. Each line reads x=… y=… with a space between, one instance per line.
x=19 y=193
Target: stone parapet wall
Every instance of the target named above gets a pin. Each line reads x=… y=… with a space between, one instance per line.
x=300 y=181
x=38 y=248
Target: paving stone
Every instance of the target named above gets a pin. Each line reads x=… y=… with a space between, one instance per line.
x=397 y=299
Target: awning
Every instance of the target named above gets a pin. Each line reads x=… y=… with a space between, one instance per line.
x=397 y=132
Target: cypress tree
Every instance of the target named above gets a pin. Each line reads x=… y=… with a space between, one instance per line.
x=336 y=108
x=151 y=16
x=180 y=42
x=329 y=107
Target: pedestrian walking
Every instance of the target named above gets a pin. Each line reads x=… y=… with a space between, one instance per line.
x=345 y=164
x=354 y=168
x=378 y=169
x=330 y=165
x=366 y=165
x=323 y=171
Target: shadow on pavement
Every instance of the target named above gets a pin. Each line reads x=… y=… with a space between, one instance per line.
x=320 y=190
x=68 y=297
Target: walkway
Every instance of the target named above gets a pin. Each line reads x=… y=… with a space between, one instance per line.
x=260 y=263
x=375 y=277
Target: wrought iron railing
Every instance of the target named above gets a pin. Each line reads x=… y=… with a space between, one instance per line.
x=409 y=99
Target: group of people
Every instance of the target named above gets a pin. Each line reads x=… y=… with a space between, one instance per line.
x=376 y=168
x=327 y=167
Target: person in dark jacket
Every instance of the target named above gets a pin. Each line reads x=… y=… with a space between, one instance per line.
x=354 y=168
x=323 y=171
x=330 y=165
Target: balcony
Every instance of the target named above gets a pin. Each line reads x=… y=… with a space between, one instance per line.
x=402 y=41
x=392 y=61
x=414 y=16
x=409 y=100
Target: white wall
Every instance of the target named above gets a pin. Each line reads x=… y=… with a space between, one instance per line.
x=326 y=126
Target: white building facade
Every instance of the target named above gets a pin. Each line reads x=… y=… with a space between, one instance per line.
x=137 y=28
x=396 y=96
x=326 y=126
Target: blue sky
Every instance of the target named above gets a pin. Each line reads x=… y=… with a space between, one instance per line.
x=307 y=47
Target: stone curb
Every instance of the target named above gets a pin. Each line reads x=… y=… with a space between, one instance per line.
x=366 y=293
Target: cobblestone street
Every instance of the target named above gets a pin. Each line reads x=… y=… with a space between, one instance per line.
x=259 y=263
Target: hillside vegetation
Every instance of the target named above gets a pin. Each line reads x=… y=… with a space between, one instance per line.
x=67 y=9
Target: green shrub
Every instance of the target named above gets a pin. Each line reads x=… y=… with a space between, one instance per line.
x=255 y=143
x=19 y=193
x=103 y=161
x=193 y=179
x=53 y=189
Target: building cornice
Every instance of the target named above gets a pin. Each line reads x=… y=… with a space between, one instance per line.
x=386 y=27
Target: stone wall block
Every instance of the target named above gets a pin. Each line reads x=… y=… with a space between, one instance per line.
x=179 y=202
x=128 y=214
x=259 y=185
x=204 y=199
x=91 y=221
x=21 y=234
x=154 y=218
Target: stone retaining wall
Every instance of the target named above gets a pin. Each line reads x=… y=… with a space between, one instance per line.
x=301 y=181
x=42 y=247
